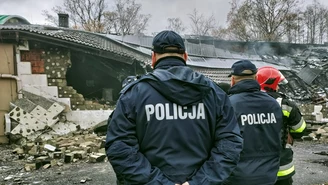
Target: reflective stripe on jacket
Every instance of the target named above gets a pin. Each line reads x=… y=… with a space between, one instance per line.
x=293 y=124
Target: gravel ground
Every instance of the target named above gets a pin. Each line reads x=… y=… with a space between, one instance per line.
x=311 y=169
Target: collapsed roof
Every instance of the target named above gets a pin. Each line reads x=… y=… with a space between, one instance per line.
x=303 y=65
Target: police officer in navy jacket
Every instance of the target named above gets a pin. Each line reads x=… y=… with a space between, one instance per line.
x=174 y=125
x=260 y=120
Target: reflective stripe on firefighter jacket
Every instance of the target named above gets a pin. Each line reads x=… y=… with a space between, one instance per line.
x=293 y=124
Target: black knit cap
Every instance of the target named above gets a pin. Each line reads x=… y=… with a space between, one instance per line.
x=166 y=39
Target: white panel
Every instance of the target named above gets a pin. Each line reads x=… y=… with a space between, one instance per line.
x=24 y=68
x=88 y=118
x=34 y=80
x=44 y=91
x=55 y=109
x=44 y=115
x=28 y=124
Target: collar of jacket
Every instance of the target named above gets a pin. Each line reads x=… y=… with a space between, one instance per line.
x=247 y=85
x=276 y=95
x=168 y=62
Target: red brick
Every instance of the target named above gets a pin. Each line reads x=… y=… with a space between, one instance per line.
x=37 y=67
x=32 y=55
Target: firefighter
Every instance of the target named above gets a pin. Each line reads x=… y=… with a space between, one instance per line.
x=294 y=125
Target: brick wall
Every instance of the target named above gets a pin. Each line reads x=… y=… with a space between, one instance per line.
x=35 y=57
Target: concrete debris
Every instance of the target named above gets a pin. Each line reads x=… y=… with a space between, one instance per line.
x=97 y=157
x=34 y=118
x=9 y=177
x=80 y=146
x=85 y=180
x=50 y=147
x=317 y=124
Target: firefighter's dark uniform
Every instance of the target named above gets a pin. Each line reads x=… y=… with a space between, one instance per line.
x=171 y=126
x=260 y=120
x=294 y=125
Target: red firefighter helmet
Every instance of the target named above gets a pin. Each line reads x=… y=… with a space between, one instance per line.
x=269 y=77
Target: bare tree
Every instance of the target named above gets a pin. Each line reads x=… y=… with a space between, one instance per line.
x=323 y=13
x=261 y=19
x=129 y=20
x=84 y=14
x=201 y=25
x=238 y=18
x=220 y=33
x=300 y=29
x=110 y=19
x=175 y=24
x=290 y=25
x=95 y=16
x=316 y=15
x=312 y=18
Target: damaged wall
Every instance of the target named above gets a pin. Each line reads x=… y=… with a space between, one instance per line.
x=56 y=80
x=49 y=67
x=94 y=77
x=38 y=118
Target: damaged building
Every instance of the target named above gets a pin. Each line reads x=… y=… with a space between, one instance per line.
x=59 y=80
x=76 y=72
x=59 y=85
x=303 y=65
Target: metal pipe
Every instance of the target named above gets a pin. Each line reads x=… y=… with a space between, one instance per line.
x=18 y=83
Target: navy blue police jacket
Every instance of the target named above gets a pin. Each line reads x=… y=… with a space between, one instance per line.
x=260 y=119
x=171 y=126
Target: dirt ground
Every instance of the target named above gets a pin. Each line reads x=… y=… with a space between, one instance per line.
x=311 y=169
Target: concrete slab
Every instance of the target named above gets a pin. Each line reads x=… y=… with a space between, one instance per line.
x=28 y=123
x=55 y=109
x=39 y=100
x=34 y=79
x=25 y=104
x=44 y=115
x=88 y=118
x=24 y=68
x=45 y=91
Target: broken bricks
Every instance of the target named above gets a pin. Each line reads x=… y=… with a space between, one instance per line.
x=318 y=131
x=68 y=158
x=57 y=155
x=97 y=157
x=64 y=149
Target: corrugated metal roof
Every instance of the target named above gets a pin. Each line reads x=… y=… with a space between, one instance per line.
x=225 y=63
x=216 y=57
x=308 y=74
x=90 y=39
x=199 y=49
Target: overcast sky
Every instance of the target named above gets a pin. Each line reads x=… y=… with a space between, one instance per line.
x=160 y=10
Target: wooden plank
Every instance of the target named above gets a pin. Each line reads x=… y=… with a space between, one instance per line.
x=8 y=88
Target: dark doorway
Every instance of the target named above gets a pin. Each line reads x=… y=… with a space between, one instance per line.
x=93 y=77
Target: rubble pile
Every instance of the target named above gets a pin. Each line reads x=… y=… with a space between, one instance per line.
x=307 y=71
x=80 y=146
x=43 y=137
x=317 y=122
